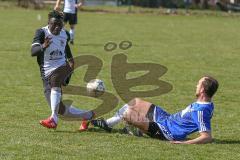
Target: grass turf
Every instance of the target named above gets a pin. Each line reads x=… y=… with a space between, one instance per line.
x=189 y=46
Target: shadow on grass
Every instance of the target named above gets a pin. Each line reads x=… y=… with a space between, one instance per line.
x=66 y=131
x=117 y=131
x=99 y=130
x=91 y=44
x=120 y=131
x=226 y=141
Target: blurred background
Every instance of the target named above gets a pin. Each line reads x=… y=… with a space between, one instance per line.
x=223 y=5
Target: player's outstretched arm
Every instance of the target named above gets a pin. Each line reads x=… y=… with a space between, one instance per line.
x=57 y=6
x=204 y=137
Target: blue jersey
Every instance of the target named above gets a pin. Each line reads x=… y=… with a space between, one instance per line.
x=196 y=117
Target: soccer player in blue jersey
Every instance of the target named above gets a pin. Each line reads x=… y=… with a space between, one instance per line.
x=157 y=123
x=54 y=57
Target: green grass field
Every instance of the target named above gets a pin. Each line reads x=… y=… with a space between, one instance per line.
x=189 y=46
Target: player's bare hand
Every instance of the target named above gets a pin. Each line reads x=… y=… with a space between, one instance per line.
x=177 y=142
x=79 y=5
x=47 y=42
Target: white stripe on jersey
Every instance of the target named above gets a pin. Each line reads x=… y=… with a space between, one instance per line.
x=200 y=120
x=166 y=134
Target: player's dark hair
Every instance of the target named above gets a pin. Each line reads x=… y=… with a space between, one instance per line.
x=55 y=14
x=210 y=85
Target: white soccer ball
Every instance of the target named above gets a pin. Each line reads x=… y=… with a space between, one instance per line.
x=95 y=88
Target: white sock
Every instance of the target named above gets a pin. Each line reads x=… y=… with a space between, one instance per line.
x=55 y=100
x=117 y=117
x=71 y=32
x=73 y=113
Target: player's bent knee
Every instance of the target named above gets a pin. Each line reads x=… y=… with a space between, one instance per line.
x=55 y=84
x=130 y=116
x=127 y=115
x=56 y=89
x=135 y=102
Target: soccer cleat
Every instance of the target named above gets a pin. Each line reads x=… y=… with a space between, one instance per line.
x=101 y=123
x=133 y=131
x=48 y=123
x=84 y=126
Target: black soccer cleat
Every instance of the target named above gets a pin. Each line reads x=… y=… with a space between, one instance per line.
x=101 y=123
x=133 y=131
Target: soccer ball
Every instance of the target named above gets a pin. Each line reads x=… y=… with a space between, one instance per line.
x=95 y=88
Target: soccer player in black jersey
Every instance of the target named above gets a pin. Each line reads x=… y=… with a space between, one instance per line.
x=54 y=57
